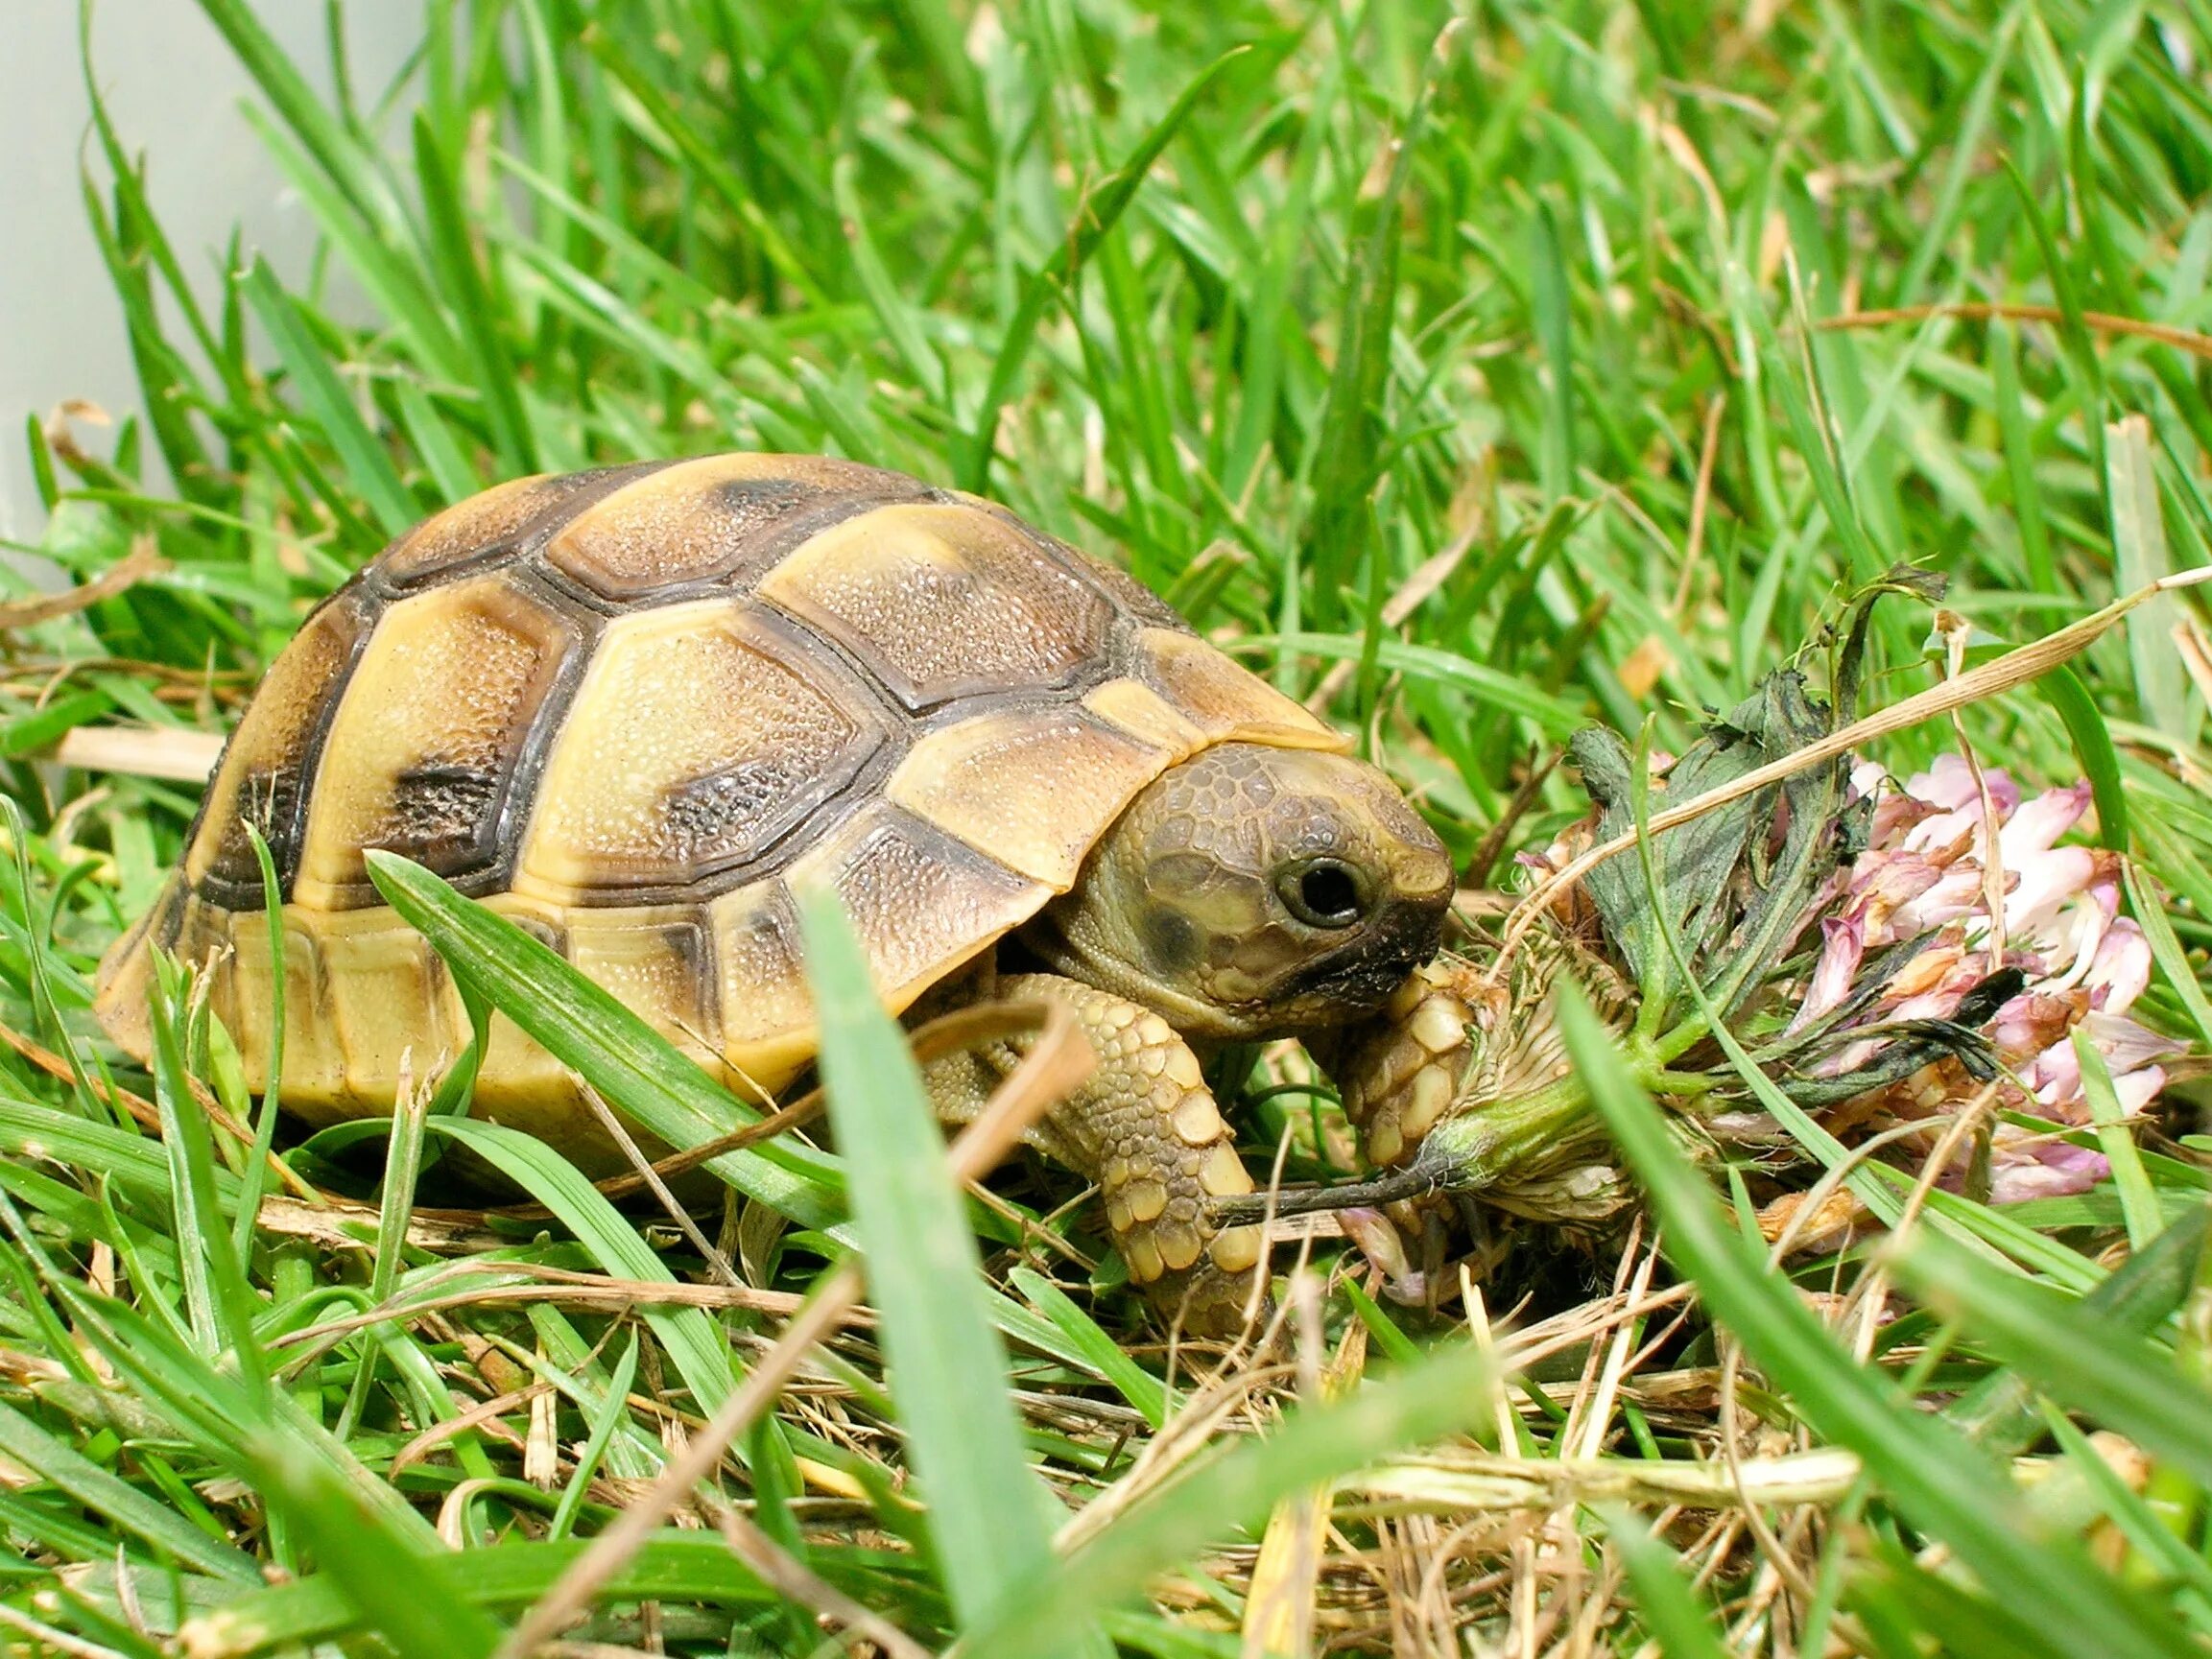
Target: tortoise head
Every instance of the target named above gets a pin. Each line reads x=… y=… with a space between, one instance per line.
x=1255 y=893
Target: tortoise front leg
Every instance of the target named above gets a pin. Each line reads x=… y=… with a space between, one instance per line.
x=1399 y=1072
x=1145 y=1128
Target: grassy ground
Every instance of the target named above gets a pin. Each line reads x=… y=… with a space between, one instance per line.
x=1648 y=315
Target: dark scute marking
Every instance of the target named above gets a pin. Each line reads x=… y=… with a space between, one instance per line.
x=438 y=815
x=489 y=664
x=164 y=925
x=807 y=518
x=723 y=537
x=761 y=500
x=723 y=806
x=943 y=605
x=269 y=799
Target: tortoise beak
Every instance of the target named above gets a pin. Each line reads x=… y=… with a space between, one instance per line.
x=1358 y=978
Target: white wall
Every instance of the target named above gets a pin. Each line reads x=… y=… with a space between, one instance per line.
x=174 y=91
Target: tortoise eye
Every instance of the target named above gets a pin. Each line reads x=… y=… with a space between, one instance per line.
x=1324 y=892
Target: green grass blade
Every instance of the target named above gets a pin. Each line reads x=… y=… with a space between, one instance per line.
x=2017 y=436
x=584 y=1027
x=220 y=1302
x=1940 y=1480
x=412 y=1599
x=399 y=287
x=453 y=258
x=692 y=1339
x=1101 y=212
x=257 y=1171
x=339 y=157
x=1682 y=1628
x=368 y=467
x=1136 y=1385
x=2070 y=700
x=448 y=463
x=1487 y=685
x=2136 y=1296
x=2151 y=1534
x=138 y=1164
x=1548 y=282
x=2149 y=907
x=2087 y=1359
x=603 y=1425
x=892 y=309
x=676 y=1566
x=988 y=1515
x=2139 y=1202
x=124 y=1505
x=2140 y=558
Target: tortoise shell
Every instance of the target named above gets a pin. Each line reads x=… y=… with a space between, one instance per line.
x=632 y=708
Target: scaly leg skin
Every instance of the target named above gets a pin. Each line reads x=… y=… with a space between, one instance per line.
x=1145 y=1128
x=1398 y=1073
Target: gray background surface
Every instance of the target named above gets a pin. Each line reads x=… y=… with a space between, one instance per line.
x=174 y=90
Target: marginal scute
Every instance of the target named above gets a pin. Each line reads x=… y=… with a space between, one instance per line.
x=387 y=1002
x=520 y=1083
x=922 y=902
x=422 y=756
x=497 y=523
x=203 y=936
x=768 y=1024
x=1226 y=703
x=656 y=962
x=700 y=736
x=314 y=1061
x=944 y=602
x=266 y=765
x=125 y=979
x=1026 y=787
x=725 y=518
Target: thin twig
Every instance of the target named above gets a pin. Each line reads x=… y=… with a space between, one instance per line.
x=961 y=1028
x=175 y=754
x=143 y=1112
x=1981 y=310
x=779 y=1571
x=1428 y=575
x=585 y=1291
x=1484 y=859
x=715 y=1260
x=132 y=568
x=1701 y=500
x=480 y=1415
x=60 y=1641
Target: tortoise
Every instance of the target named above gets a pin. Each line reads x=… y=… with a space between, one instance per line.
x=633 y=709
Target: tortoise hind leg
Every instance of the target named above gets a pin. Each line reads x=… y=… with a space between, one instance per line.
x=1145 y=1128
